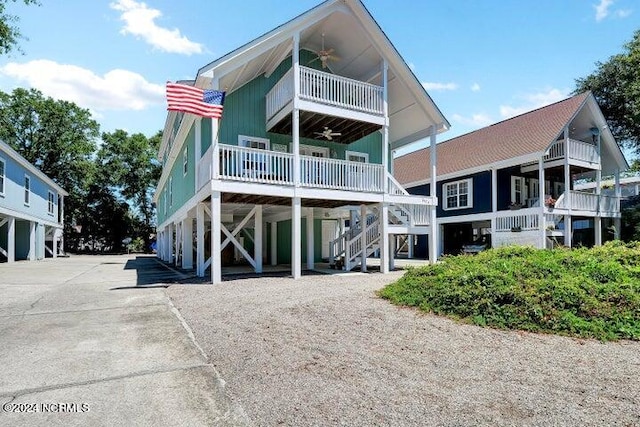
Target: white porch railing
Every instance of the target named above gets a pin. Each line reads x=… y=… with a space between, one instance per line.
x=319 y=172
x=205 y=172
x=526 y=219
x=280 y=94
x=589 y=202
x=254 y=165
x=418 y=214
x=325 y=88
x=340 y=91
x=584 y=151
x=578 y=150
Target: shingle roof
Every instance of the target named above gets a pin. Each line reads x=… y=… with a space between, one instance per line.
x=527 y=133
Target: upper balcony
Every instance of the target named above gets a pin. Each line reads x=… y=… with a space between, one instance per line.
x=353 y=107
x=581 y=152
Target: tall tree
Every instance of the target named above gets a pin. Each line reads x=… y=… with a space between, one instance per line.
x=56 y=136
x=616 y=86
x=9 y=31
x=129 y=164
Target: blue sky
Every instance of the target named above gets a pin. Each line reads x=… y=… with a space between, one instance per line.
x=481 y=61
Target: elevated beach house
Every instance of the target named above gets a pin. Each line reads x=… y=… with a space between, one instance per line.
x=515 y=182
x=31 y=210
x=297 y=170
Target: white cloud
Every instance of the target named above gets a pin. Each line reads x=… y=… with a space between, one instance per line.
x=475 y=87
x=116 y=90
x=602 y=9
x=439 y=86
x=479 y=119
x=532 y=101
x=139 y=21
x=623 y=13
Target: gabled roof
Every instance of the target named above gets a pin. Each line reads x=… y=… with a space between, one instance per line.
x=6 y=148
x=347 y=26
x=525 y=136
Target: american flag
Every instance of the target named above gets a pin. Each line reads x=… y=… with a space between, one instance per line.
x=189 y=99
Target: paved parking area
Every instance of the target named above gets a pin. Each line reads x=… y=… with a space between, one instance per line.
x=93 y=340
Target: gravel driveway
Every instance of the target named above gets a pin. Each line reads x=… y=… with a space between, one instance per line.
x=324 y=350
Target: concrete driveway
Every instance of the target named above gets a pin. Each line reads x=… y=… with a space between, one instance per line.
x=93 y=340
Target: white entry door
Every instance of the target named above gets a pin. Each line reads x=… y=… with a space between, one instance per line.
x=330 y=232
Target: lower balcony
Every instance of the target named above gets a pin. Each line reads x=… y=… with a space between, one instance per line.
x=276 y=168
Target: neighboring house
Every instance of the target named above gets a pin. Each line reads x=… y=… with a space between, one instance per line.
x=31 y=210
x=298 y=166
x=514 y=182
x=629 y=185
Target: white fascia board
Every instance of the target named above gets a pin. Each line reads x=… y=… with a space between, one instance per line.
x=31 y=168
x=534 y=157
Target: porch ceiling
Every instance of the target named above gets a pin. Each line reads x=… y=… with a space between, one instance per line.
x=310 y=123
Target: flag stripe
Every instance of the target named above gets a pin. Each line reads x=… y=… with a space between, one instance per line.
x=193 y=100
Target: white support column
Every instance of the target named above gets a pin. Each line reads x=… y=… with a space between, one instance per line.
x=11 y=239
x=216 y=229
x=54 y=243
x=197 y=155
x=296 y=238
x=541 y=218
x=567 y=172
x=568 y=231
x=494 y=198
x=597 y=226
x=392 y=253
x=187 y=243
x=363 y=238
x=295 y=120
x=385 y=128
x=410 y=245
x=384 y=238
x=170 y=247
x=257 y=238
x=200 y=240
x=215 y=127
x=433 y=229
x=618 y=192
x=32 y=241
x=177 y=242
x=274 y=243
x=310 y=240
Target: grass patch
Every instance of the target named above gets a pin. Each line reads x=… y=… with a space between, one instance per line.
x=588 y=293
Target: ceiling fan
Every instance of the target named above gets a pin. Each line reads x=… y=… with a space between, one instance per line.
x=327 y=133
x=325 y=55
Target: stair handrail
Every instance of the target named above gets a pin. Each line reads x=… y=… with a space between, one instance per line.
x=395 y=187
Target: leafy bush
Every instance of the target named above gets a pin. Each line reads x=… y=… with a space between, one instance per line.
x=590 y=293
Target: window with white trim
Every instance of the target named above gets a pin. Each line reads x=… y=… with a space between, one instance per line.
x=171 y=192
x=356 y=156
x=458 y=194
x=27 y=189
x=254 y=164
x=50 y=203
x=185 y=161
x=518 y=191
x=3 y=167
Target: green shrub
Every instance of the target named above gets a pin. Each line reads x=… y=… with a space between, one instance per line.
x=590 y=293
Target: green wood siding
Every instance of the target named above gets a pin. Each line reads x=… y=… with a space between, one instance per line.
x=284 y=241
x=183 y=185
